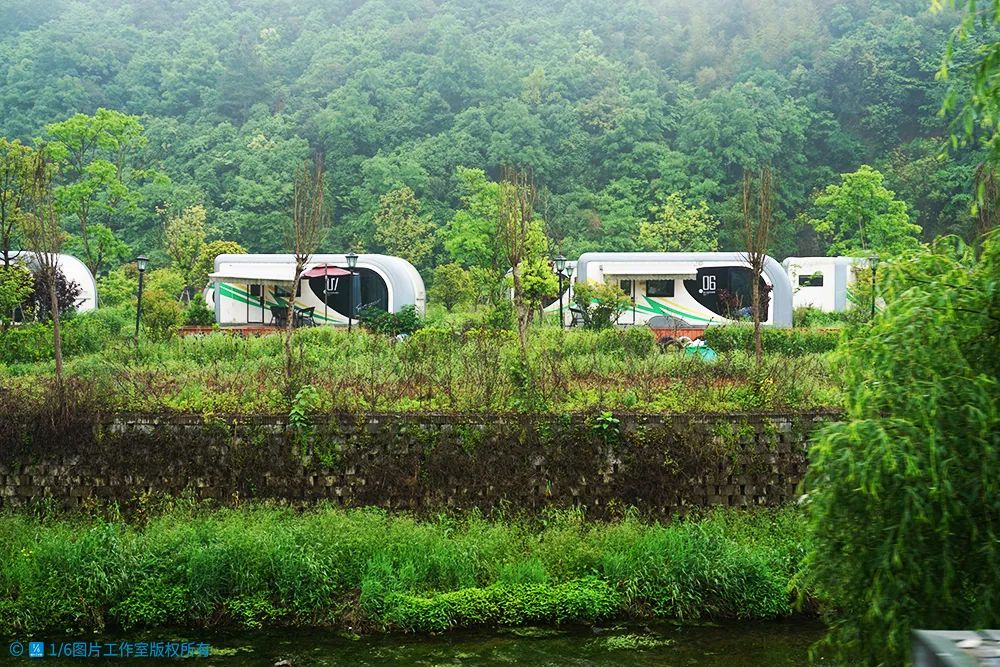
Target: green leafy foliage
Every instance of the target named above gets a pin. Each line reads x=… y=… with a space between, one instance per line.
x=614 y=109
x=600 y=304
x=162 y=313
x=402 y=229
x=677 y=227
x=786 y=342
x=376 y=320
x=184 y=240
x=978 y=106
x=904 y=500
x=198 y=314
x=16 y=284
x=260 y=566
x=862 y=217
x=452 y=286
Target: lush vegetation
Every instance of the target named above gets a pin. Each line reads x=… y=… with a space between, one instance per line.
x=904 y=496
x=366 y=569
x=637 y=119
x=442 y=367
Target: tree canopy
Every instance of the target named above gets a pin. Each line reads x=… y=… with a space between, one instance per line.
x=613 y=107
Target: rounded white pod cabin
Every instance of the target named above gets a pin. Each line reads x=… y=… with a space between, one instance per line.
x=249 y=289
x=73 y=269
x=822 y=282
x=691 y=289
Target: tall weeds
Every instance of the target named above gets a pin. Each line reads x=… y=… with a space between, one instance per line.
x=267 y=566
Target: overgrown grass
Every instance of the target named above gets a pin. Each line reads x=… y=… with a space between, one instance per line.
x=442 y=369
x=261 y=566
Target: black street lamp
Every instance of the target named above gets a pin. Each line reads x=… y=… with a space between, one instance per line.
x=874 y=262
x=352 y=261
x=141 y=262
x=560 y=263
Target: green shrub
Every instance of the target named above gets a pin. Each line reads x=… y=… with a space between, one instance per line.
x=500 y=316
x=789 y=342
x=904 y=494
x=451 y=286
x=638 y=341
x=600 y=304
x=26 y=343
x=161 y=312
x=260 y=566
x=198 y=314
x=117 y=288
x=806 y=317
x=582 y=600
x=376 y=320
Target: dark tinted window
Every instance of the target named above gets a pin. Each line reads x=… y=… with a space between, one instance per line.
x=374 y=291
x=626 y=286
x=815 y=280
x=255 y=290
x=726 y=290
x=659 y=287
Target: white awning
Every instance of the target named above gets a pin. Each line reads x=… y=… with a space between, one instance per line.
x=649 y=270
x=271 y=274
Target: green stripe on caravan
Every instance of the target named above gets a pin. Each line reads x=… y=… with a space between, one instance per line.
x=242 y=296
x=660 y=308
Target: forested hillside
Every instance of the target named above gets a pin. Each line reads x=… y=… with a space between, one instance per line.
x=627 y=112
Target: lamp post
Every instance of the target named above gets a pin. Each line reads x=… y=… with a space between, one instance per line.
x=874 y=262
x=141 y=262
x=352 y=261
x=560 y=263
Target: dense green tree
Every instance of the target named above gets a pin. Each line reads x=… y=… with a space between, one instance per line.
x=678 y=227
x=97 y=158
x=614 y=107
x=861 y=216
x=452 y=286
x=402 y=229
x=15 y=177
x=206 y=259
x=184 y=238
x=979 y=106
x=469 y=236
x=904 y=494
x=16 y=283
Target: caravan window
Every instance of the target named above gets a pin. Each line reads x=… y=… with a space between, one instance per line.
x=282 y=293
x=814 y=280
x=255 y=290
x=660 y=287
x=626 y=286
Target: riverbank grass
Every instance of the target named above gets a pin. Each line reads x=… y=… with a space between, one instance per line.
x=369 y=570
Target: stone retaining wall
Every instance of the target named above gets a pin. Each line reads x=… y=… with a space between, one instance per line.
x=655 y=463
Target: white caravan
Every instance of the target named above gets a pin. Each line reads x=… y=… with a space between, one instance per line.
x=252 y=289
x=690 y=289
x=74 y=270
x=823 y=282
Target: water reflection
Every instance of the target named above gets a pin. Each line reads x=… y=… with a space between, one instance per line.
x=777 y=644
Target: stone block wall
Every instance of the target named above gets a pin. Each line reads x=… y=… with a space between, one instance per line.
x=656 y=463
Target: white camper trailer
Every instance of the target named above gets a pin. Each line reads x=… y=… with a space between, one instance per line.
x=689 y=289
x=74 y=270
x=252 y=289
x=822 y=282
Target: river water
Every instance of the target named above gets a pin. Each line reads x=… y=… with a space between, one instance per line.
x=777 y=644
